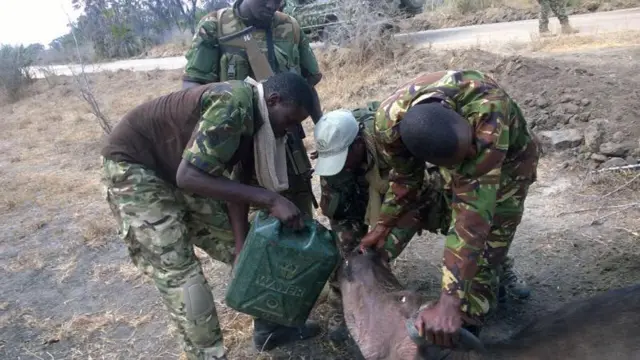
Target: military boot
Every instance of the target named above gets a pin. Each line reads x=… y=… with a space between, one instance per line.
x=511 y=285
x=336 y=326
x=268 y=335
x=567 y=29
x=544 y=31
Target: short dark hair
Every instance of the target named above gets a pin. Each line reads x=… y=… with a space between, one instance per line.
x=292 y=88
x=428 y=131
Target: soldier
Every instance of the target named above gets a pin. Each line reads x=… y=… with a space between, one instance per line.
x=354 y=180
x=560 y=11
x=467 y=125
x=165 y=171
x=287 y=48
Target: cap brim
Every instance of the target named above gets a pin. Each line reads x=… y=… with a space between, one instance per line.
x=331 y=165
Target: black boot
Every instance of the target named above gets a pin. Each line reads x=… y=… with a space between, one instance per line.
x=268 y=335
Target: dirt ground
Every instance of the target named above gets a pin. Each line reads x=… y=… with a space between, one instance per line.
x=69 y=291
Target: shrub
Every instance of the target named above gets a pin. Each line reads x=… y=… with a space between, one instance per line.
x=14 y=70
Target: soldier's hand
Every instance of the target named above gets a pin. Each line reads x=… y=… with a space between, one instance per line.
x=287 y=212
x=375 y=238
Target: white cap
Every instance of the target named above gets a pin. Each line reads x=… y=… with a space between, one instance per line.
x=334 y=133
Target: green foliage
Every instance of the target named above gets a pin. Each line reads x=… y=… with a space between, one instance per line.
x=14 y=69
x=124 y=28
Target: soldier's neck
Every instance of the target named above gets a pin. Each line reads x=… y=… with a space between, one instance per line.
x=242 y=11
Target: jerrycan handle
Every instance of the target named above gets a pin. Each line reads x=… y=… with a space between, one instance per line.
x=309 y=226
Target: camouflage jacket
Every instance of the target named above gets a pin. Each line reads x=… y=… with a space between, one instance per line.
x=503 y=148
x=345 y=196
x=208 y=61
x=229 y=116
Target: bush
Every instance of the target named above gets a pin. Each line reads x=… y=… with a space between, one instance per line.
x=368 y=33
x=14 y=70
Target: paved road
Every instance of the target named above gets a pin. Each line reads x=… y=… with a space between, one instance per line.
x=488 y=36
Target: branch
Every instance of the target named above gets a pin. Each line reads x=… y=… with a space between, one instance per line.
x=82 y=81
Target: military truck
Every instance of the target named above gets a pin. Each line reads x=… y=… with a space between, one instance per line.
x=320 y=18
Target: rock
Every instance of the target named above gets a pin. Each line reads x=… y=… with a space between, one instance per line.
x=567 y=98
x=614 y=162
x=631 y=160
x=561 y=139
x=618 y=136
x=614 y=149
x=585 y=102
x=582 y=117
x=594 y=135
x=542 y=102
x=599 y=157
x=570 y=108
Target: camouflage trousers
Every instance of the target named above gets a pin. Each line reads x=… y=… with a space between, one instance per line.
x=160 y=225
x=482 y=294
x=558 y=8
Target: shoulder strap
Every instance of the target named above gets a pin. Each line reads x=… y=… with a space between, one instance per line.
x=294 y=24
x=219 y=24
x=296 y=30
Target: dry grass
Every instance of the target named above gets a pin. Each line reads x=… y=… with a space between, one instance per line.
x=107 y=273
x=96 y=232
x=578 y=42
x=64 y=269
x=25 y=261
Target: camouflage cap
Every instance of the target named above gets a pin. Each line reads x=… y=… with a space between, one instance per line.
x=334 y=133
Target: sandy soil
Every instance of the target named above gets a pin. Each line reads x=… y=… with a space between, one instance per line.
x=69 y=291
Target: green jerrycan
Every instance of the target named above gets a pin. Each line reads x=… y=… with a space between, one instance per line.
x=281 y=272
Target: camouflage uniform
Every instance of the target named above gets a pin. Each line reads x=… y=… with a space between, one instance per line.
x=487 y=192
x=161 y=224
x=559 y=9
x=208 y=61
x=345 y=197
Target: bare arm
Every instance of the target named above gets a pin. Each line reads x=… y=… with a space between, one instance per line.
x=238 y=213
x=192 y=179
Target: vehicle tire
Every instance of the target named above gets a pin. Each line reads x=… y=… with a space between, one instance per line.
x=412 y=6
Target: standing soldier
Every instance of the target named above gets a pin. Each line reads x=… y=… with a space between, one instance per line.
x=467 y=125
x=559 y=10
x=354 y=180
x=220 y=52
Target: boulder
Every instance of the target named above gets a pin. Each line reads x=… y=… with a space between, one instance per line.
x=561 y=139
x=615 y=149
x=599 y=157
x=594 y=135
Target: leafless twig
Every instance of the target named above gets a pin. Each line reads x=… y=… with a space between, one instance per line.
x=626 y=167
x=84 y=86
x=621 y=186
x=600 y=208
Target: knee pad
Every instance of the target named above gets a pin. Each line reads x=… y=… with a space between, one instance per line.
x=198 y=299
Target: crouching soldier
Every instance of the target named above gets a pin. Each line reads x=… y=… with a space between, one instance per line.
x=354 y=180
x=165 y=167
x=467 y=125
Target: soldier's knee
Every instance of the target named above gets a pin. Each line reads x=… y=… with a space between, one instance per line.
x=200 y=311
